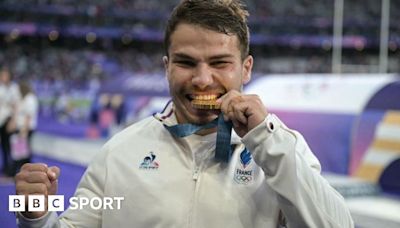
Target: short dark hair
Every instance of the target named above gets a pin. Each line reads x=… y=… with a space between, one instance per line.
x=224 y=16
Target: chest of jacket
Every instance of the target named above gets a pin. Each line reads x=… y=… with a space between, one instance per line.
x=164 y=187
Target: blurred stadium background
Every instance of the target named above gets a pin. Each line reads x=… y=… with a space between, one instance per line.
x=96 y=68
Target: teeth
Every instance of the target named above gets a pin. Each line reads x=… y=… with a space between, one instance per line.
x=205 y=97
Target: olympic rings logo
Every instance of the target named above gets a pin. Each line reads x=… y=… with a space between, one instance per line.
x=243 y=178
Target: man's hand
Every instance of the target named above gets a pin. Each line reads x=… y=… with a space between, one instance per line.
x=37 y=179
x=245 y=111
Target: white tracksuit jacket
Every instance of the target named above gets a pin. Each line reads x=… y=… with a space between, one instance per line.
x=175 y=182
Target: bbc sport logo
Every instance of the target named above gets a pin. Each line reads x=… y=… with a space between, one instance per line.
x=16 y=203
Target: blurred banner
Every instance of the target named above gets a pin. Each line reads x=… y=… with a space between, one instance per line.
x=326 y=110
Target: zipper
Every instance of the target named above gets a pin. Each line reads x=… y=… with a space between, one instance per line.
x=195 y=178
x=196 y=173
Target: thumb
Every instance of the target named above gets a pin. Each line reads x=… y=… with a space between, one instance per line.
x=53 y=173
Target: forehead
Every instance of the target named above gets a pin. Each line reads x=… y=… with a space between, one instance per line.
x=194 y=39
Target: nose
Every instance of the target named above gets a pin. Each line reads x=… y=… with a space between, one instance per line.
x=202 y=76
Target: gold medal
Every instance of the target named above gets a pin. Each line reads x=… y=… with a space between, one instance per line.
x=206 y=104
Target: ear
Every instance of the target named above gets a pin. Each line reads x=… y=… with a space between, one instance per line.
x=247 y=68
x=165 y=61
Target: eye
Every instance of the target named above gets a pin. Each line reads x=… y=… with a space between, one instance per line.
x=219 y=63
x=185 y=63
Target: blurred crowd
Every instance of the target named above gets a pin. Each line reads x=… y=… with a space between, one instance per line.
x=359 y=9
x=131 y=5
x=79 y=67
x=86 y=68
x=301 y=16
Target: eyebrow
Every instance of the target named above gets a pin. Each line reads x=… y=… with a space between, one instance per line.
x=182 y=56
x=185 y=56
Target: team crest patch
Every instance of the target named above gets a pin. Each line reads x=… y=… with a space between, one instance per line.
x=244 y=171
x=149 y=162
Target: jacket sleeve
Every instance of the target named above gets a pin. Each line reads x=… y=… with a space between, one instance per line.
x=293 y=172
x=91 y=185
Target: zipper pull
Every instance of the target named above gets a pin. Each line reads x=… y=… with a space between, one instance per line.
x=196 y=174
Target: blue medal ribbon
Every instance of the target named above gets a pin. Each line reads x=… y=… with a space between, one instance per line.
x=223 y=144
x=223 y=147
